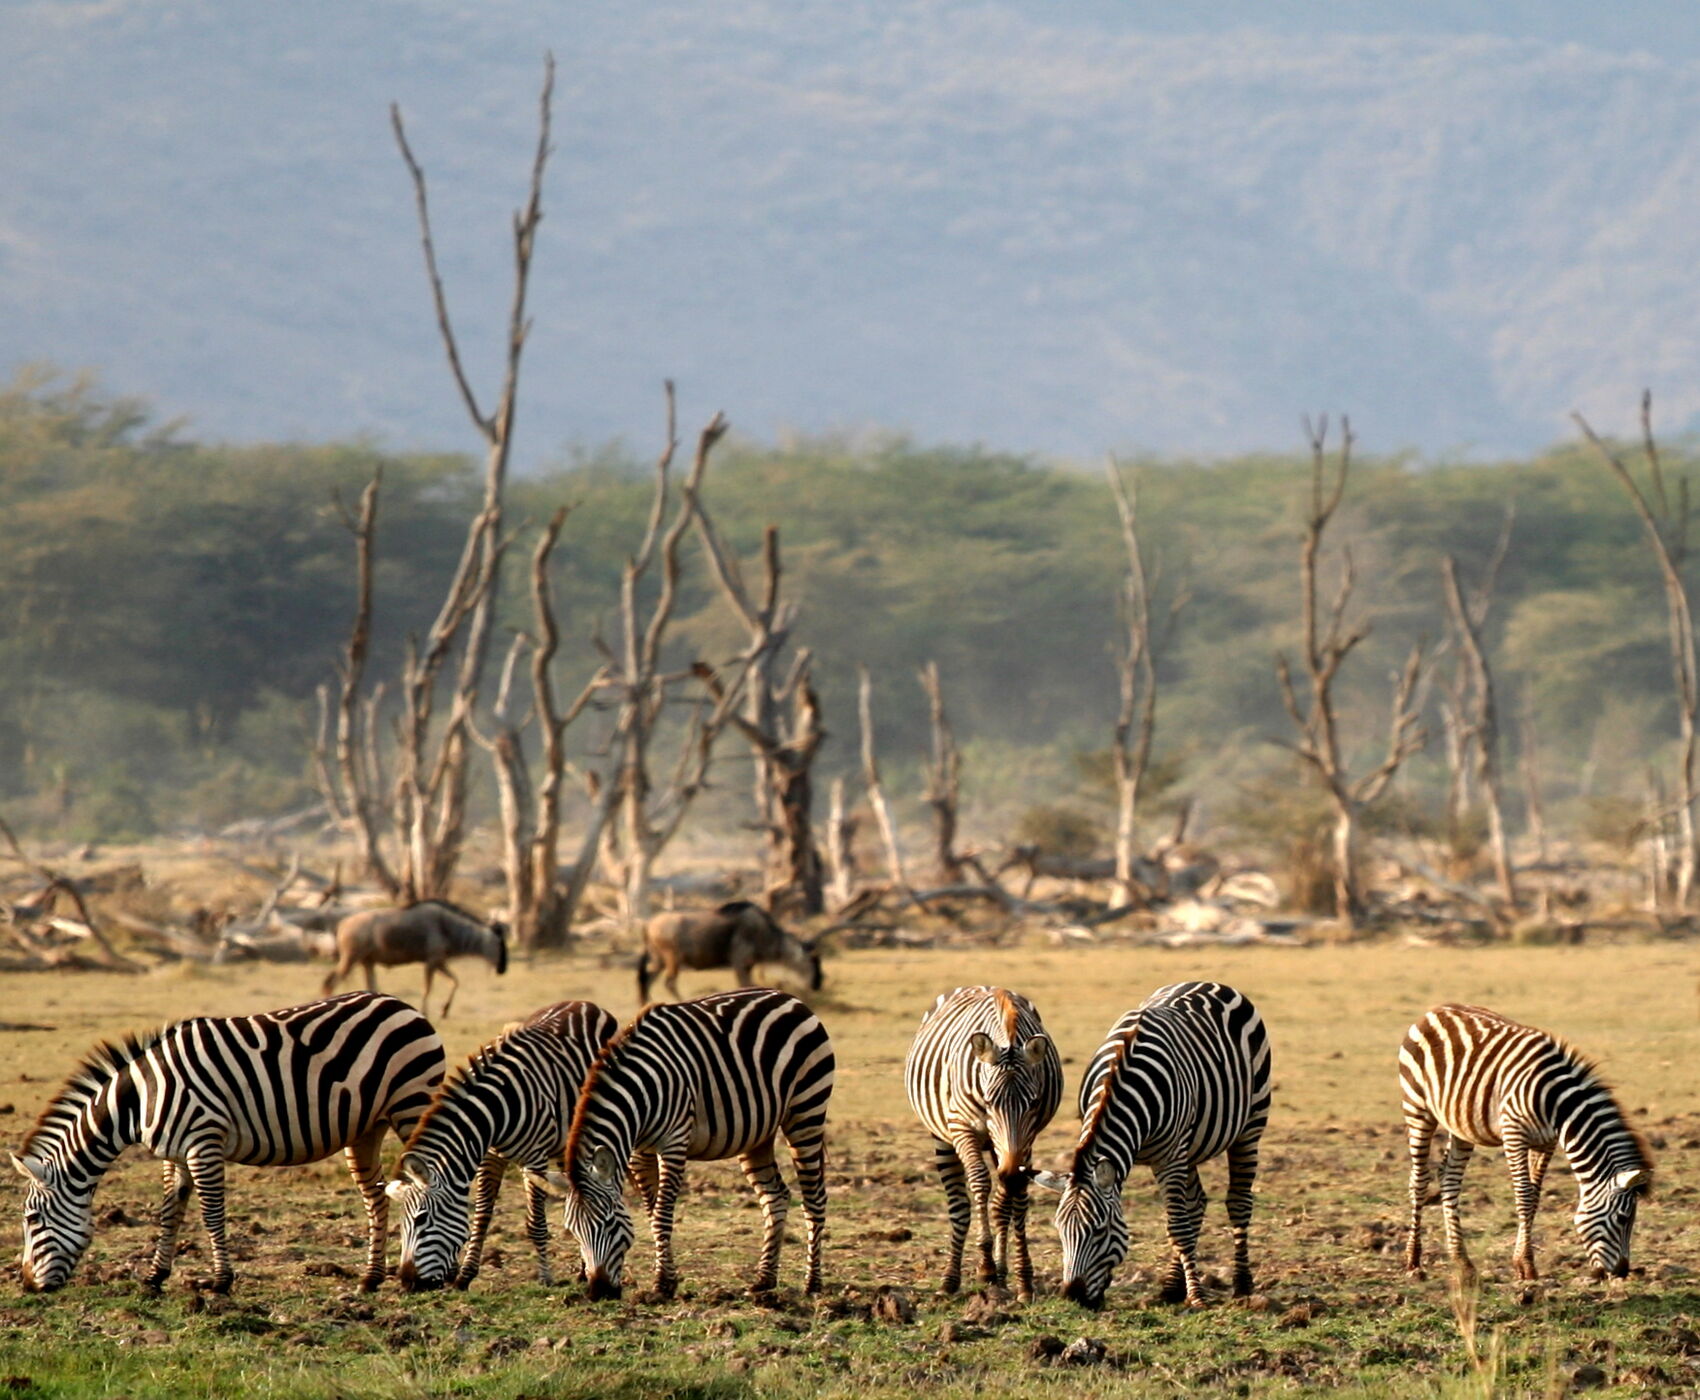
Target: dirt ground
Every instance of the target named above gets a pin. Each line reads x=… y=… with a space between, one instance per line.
x=1333 y=1310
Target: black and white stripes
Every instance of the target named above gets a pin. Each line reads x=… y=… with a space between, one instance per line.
x=278 y=1089
x=1180 y=1079
x=984 y=1079
x=1490 y=1081
x=699 y=1080
x=512 y=1102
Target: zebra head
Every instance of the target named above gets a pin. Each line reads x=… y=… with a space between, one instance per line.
x=1605 y=1218
x=595 y=1214
x=1092 y=1226
x=58 y=1223
x=433 y=1225
x=1011 y=1087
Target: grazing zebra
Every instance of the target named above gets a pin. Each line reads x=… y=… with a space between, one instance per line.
x=1490 y=1081
x=275 y=1090
x=512 y=1102
x=1181 y=1078
x=984 y=1079
x=699 y=1080
x=430 y=932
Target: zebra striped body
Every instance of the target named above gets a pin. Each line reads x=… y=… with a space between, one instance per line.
x=1490 y=1082
x=278 y=1089
x=512 y=1102
x=699 y=1080
x=984 y=1078
x=1181 y=1078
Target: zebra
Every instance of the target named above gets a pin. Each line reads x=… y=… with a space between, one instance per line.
x=1180 y=1079
x=984 y=1078
x=278 y=1089
x=1491 y=1081
x=512 y=1102
x=699 y=1080
x=430 y=932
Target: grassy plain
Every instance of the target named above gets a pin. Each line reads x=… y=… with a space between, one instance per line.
x=1334 y=1310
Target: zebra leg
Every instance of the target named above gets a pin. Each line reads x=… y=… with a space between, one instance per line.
x=763 y=1174
x=1242 y=1174
x=1184 y=1201
x=1419 y=1137
x=645 y=1172
x=485 y=1187
x=672 y=1178
x=1528 y=1197
x=1010 y=1205
x=972 y=1154
x=809 y=1157
x=955 y=1182
x=171 y=1209
x=363 y=1165
x=1451 y=1188
x=206 y=1170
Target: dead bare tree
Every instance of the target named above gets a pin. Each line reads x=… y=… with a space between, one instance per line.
x=540 y=907
x=781 y=719
x=841 y=845
x=1138 y=651
x=427 y=793
x=1475 y=711
x=1328 y=641
x=649 y=818
x=871 y=778
x=944 y=780
x=1665 y=524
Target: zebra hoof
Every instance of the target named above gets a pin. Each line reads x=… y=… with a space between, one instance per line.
x=1172 y=1293
x=813 y=1284
x=666 y=1287
x=1243 y=1285
x=1416 y=1271
x=462 y=1282
x=951 y=1283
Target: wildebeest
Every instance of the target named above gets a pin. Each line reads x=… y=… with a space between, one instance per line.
x=430 y=932
x=737 y=935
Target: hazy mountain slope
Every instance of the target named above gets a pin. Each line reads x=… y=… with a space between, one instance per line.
x=956 y=217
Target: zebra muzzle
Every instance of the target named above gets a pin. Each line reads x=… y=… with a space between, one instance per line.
x=601 y=1287
x=412 y=1281
x=1078 y=1292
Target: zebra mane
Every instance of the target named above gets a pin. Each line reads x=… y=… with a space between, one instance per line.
x=1589 y=1068
x=1094 y=1118
x=592 y=1078
x=1011 y=1014
x=462 y=1074
x=99 y=1068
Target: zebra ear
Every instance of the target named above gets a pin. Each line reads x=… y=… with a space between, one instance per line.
x=413 y=1171
x=1104 y=1175
x=984 y=1047
x=604 y=1165
x=1035 y=1049
x=1051 y=1181
x=32 y=1167
x=1635 y=1180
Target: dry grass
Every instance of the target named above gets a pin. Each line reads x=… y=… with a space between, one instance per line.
x=1335 y=1308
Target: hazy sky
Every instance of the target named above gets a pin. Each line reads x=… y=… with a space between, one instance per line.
x=1050 y=226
